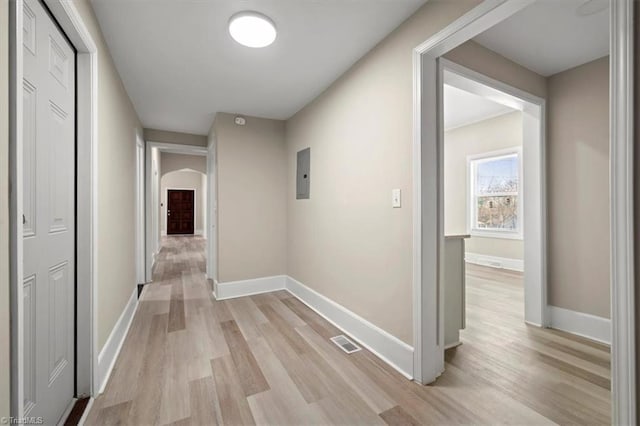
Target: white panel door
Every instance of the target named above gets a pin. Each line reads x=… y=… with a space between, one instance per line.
x=49 y=222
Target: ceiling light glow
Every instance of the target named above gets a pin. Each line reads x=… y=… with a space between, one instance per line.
x=252 y=29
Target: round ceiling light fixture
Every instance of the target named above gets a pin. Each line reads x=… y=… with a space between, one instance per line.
x=252 y=29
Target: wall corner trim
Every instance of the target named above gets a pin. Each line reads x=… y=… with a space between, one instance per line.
x=385 y=346
x=581 y=324
x=111 y=349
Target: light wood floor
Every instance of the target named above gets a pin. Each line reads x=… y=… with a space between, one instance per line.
x=266 y=359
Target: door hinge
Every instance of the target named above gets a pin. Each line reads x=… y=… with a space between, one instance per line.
x=24 y=219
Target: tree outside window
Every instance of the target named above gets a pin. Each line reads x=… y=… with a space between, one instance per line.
x=495 y=200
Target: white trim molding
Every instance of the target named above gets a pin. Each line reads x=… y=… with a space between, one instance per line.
x=385 y=346
x=211 y=230
x=140 y=206
x=586 y=325
x=113 y=345
x=495 y=261
x=233 y=289
x=623 y=314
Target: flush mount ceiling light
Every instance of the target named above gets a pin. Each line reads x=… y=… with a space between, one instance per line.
x=252 y=29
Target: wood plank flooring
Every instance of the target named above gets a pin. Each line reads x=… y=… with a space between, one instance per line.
x=266 y=359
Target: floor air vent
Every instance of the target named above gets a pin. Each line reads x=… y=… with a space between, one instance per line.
x=345 y=344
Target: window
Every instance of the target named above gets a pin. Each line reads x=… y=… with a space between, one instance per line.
x=495 y=204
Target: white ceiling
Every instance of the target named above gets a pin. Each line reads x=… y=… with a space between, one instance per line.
x=462 y=108
x=550 y=36
x=180 y=66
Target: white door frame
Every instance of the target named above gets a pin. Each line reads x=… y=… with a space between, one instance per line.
x=533 y=178
x=87 y=195
x=428 y=178
x=211 y=224
x=174 y=149
x=140 y=209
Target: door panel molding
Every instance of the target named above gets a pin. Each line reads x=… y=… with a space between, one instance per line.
x=193 y=210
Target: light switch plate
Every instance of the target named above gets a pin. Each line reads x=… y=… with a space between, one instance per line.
x=396 y=198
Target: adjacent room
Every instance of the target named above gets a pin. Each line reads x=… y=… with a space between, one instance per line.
x=483 y=194
x=503 y=162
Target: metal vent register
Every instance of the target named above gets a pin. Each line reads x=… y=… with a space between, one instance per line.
x=345 y=344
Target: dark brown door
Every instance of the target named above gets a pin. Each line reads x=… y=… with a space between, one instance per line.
x=180 y=211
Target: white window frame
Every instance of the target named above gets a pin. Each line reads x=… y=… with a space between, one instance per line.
x=471 y=196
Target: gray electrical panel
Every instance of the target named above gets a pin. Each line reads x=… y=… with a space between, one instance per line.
x=303 y=175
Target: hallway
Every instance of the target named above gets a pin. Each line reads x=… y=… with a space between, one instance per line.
x=266 y=359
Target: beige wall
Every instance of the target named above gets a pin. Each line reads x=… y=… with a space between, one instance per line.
x=359 y=131
x=172 y=162
x=5 y=327
x=183 y=180
x=578 y=190
x=251 y=176
x=153 y=135
x=489 y=135
x=117 y=127
x=487 y=62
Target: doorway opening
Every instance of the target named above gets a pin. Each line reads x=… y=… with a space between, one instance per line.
x=429 y=221
x=493 y=173
x=177 y=195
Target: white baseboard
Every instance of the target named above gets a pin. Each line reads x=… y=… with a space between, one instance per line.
x=585 y=325
x=495 y=261
x=233 y=289
x=390 y=349
x=111 y=350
